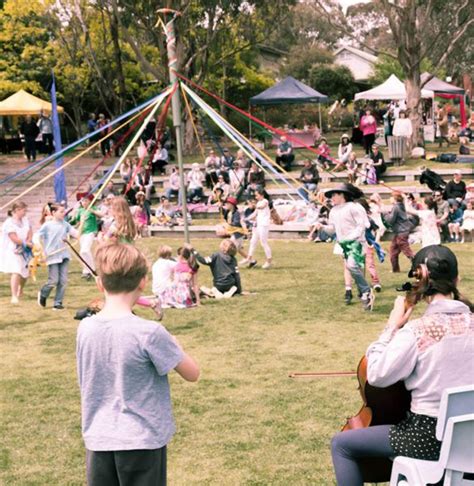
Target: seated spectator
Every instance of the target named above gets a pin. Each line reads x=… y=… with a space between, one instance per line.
x=227 y=160
x=195 y=179
x=284 y=155
x=216 y=197
x=242 y=161
x=163 y=273
x=160 y=159
x=173 y=184
x=453 y=133
x=464 y=148
x=143 y=181
x=109 y=190
x=225 y=271
x=370 y=172
x=126 y=170
x=468 y=221
x=165 y=214
x=379 y=163
x=344 y=150
x=237 y=179
x=442 y=213
x=212 y=166
x=455 y=221
x=324 y=153
x=256 y=175
x=309 y=179
x=456 y=188
x=352 y=167
x=469 y=193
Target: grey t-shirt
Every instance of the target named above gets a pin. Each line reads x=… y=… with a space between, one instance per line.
x=125 y=397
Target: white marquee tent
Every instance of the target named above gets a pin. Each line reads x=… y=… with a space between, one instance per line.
x=391 y=89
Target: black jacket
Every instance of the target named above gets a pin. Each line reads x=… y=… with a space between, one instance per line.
x=224 y=268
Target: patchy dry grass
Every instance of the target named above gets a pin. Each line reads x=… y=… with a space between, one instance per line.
x=245 y=422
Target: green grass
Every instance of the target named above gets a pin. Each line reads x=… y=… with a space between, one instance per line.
x=245 y=422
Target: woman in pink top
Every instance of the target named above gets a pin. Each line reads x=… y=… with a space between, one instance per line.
x=368 y=127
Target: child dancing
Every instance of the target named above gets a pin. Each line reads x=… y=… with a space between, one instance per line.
x=52 y=234
x=349 y=221
x=261 y=219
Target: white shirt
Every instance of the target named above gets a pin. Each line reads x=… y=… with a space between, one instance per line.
x=162 y=272
x=429 y=354
x=263 y=213
x=349 y=221
x=195 y=179
x=402 y=127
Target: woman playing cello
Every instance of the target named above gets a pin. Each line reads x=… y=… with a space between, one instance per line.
x=428 y=354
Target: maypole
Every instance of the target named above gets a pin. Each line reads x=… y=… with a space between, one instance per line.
x=176 y=107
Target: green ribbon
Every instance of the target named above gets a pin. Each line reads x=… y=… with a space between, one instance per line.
x=353 y=249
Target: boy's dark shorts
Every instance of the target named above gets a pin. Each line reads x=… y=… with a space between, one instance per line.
x=126 y=468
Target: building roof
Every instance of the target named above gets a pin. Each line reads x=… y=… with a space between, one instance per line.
x=364 y=55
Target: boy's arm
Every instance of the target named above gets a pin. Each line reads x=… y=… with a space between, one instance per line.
x=187 y=368
x=201 y=259
x=238 y=282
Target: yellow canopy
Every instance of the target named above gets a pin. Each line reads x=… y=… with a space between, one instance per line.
x=23 y=103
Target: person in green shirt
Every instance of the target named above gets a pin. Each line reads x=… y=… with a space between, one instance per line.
x=88 y=227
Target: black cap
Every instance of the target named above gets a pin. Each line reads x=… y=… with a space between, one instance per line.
x=441 y=262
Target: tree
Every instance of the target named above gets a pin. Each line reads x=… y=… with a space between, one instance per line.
x=26 y=58
x=335 y=81
x=300 y=61
x=420 y=29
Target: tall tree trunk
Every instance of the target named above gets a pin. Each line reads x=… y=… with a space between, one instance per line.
x=114 y=33
x=412 y=85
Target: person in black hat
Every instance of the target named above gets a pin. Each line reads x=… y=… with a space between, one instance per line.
x=429 y=354
x=349 y=221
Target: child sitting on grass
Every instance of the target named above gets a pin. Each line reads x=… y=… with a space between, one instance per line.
x=123 y=362
x=163 y=274
x=225 y=271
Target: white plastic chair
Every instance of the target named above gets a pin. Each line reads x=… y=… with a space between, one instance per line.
x=455 y=401
x=456 y=457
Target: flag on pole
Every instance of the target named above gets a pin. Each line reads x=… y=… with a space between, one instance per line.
x=59 y=179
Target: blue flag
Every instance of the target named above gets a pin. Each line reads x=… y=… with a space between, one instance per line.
x=59 y=178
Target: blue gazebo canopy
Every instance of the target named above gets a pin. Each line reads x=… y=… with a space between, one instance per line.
x=289 y=90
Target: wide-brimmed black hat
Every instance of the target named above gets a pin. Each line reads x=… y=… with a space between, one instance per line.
x=345 y=188
x=441 y=262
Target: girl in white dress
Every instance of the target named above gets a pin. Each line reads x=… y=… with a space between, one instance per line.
x=261 y=217
x=468 y=221
x=16 y=238
x=429 y=229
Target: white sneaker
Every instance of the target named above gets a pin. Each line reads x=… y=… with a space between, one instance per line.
x=368 y=299
x=244 y=262
x=14 y=300
x=266 y=265
x=230 y=292
x=207 y=291
x=218 y=295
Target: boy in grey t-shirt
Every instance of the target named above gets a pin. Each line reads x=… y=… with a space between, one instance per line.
x=123 y=362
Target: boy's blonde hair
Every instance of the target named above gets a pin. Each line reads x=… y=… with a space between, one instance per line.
x=165 y=252
x=228 y=247
x=121 y=267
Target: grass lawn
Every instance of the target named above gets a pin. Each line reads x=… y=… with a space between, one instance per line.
x=245 y=422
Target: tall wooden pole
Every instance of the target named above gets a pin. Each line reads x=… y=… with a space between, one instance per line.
x=176 y=109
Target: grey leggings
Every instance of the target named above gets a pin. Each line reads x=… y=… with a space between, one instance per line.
x=350 y=446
